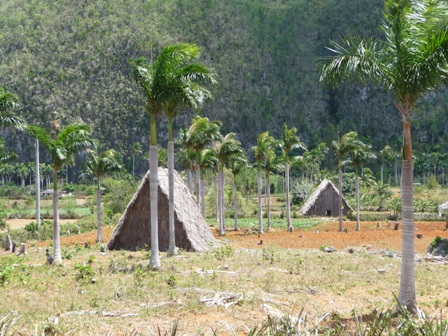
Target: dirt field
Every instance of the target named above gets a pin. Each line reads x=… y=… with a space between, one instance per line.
x=322 y=235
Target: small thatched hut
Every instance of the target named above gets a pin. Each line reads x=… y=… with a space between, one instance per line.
x=324 y=201
x=134 y=228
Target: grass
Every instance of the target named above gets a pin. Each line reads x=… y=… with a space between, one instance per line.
x=92 y=286
x=276 y=223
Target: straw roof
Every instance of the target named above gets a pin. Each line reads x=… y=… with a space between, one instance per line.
x=134 y=228
x=324 y=200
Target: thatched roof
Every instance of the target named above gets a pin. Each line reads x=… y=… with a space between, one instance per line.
x=134 y=228
x=327 y=188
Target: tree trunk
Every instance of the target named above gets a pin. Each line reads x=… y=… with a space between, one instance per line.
x=341 y=228
x=37 y=177
x=198 y=187
x=154 y=262
x=235 y=204
x=171 y=240
x=288 y=204
x=222 y=229
x=99 y=237
x=269 y=201
x=382 y=171
x=22 y=182
x=56 y=228
x=407 y=296
x=358 y=225
x=8 y=243
x=203 y=198
x=216 y=182
x=260 y=215
x=189 y=180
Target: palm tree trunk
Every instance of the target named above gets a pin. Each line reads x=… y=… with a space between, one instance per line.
x=99 y=238
x=216 y=182
x=171 y=240
x=407 y=296
x=153 y=194
x=358 y=225
x=260 y=215
x=133 y=165
x=269 y=201
x=203 y=198
x=288 y=204
x=235 y=204
x=221 y=202
x=37 y=177
x=189 y=180
x=56 y=228
x=341 y=228
x=382 y=170
x=198 y=186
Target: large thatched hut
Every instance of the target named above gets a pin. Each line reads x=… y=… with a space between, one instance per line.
x=324 y=201
x=134 y=228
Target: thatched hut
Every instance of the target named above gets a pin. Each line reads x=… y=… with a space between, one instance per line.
x=324 y=201
x=134 y=228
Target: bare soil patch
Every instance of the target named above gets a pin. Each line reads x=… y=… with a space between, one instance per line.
x=18 y=223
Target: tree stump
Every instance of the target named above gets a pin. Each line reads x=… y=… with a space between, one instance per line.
x=8 y=243
x=22 y=250
x=396 y=226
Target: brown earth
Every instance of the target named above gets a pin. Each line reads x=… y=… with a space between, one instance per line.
x=325 y=234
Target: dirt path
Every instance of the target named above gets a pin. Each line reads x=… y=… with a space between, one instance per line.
x=322 y=235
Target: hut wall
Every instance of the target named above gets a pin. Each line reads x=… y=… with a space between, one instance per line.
x=328 y=200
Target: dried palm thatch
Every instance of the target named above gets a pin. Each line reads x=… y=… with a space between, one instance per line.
x=324 y=201
x=134 y=229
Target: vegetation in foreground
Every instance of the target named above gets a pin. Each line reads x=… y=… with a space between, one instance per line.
x=100 y=291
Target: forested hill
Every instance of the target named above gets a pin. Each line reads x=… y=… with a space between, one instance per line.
x=72 y=56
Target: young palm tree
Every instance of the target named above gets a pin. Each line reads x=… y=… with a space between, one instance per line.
x=236 y=164
x=185 y=89
x=260 y=155
x=99 y=166
x=201 y=133
x=359 y=154
x=386 y=154
x=289 y=141
x=62 y=145
x=342 y=147
x=225 y=149
x=206 y=160
x=412 y=61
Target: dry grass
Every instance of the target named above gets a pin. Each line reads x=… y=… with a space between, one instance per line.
x=271 y=280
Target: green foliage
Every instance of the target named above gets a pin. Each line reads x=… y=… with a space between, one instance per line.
x=85 y=273
x=119 y=194
x=222 y=252
x=435 y=242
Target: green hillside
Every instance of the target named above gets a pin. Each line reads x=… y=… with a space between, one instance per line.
x=72 y=56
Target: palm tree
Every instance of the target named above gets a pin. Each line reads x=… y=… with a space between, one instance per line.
x=412 y=61
x=260 y=155
x=386 y=154
x=289 y=141
x=206 y=160
x=271 y=163
x=200 y=134
x=164 y=91
x=62 y=144
x=342 y=147
x=225 y=149
x=359 y=154
x=99 y=166
x=236 y=164
x=184 y=89
x=184 y=156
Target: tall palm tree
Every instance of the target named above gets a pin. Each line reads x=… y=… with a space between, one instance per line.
x=359 y=154
x=342 y=147
x=99 y=166
x=410 y=62
x=184 y=89
x=236 y=164
x=289 y=141
x=166 y=86
x=62 y=144
x=260 y=155
x=225 y=149
x=271 y=163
